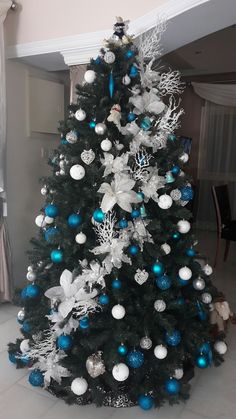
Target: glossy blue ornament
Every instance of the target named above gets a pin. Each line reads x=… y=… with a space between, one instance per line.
x=146 y=123
x=205 y=348
x=133 y=71
x=135 y=359
x=104 y=299
x=25 y=359
x=33 y=291
x=176 y=235
x=202 y=315
x=129 y=54
x=84 y=323
x=36 y=378
x=51 y=233
x=122 y=349
x=145 y=402
x=175 y=170
x=26 y=327
x=64 y=342
x=202 y=361
x=173 y=338
x=74 y=220
x=133 y=249
x=64 y=141
x=111 y=85
x=51 y=211
x=135 y=213
x=23 y=293
x=186 y=193
x=12 y=358
x=97 y=60
x=172 y=386
x=116 y=284
x=56 y=256
x=92 y=124
x=163 y=282
x=123 y=223
x=99 y=215
x=158 y=268
x=171 y=137
x=182 y=282
x=190 y=252
x=131 y=116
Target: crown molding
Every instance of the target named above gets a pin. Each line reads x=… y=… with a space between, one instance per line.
x=80 y=48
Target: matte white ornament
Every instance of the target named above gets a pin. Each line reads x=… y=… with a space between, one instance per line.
x=72 y=137
x=120 y=372
x=206 y=298
x=31 y=276
x=87 y=156
x=126 y=80
x=160 y=305
x=160 y=351
x=220 y=347
x=199 y=284
x=175 y=194
x=118 y=312
x=89 y=76
x=164 y=201
x=109 y=57
x=79 y=386
x=100 y=128
x=48 y=220
x=44 y=191
x=184 y=157
x=183 y=226
x=80 y=238
x=166 y=248
x=106 y=145
x=24 y=346
x=40 y=220
x=178 y=374
x=207 y=269
x=77 y=172
x=141 y=276
x=185 y=273
x=80 y=115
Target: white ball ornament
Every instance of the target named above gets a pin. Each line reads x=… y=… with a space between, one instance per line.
x=100 y=128
x=166 y=248
x=220 y=347
x=207 y=269
x=79 y=386
x=183 y=226
x=109 y=57
x=80 y=115
x=48 y=220
x=160 y=352
x=89 y=76
x=106 y=145
x=118 y=312
x=77 y=172
x=164 y=201
x=120 y=372
x=185 y=273
x=44 y=191
x=24 y=346
x=31 y=276
x=184 y=157
x=126 y=80
x=40 y=220
x=80 y=238
x=178 y=374
x=160 y=305
x=206 y=298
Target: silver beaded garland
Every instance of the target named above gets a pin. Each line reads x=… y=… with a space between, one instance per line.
x=146 y=343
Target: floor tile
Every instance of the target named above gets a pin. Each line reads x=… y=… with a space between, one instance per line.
x=9 y=331
x=166 y=412
x=187 y=414
x=25 y=383
x=9 y=375
x=61 y=411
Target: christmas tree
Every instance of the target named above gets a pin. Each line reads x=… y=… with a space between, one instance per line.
x=117 y=307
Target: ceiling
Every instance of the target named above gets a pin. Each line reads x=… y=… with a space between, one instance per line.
x=213 y=54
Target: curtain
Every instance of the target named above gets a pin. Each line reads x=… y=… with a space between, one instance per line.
x=221 y=94
x=217 y=158
x=5 y=255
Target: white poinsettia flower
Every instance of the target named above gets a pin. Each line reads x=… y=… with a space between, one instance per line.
x=115 y=253
x=152 y=185
x=137 y=230
x=115 y=164
x=94 y=275
x=51 y=367
x=118 y=192
x=147 y=102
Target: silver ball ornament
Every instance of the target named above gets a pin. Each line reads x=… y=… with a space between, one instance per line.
x=183 y=226
x=166 y=248
x=120 y=372
x=31 y=276
x=126 y=80
x=80 y=238
x=146 y=343
x=21 y=315
x=109 y=57
x=106 y=145
x=48 y=220
x=80 y=115
x=30 y=268
x=160 y=352
x=175 y=194
x=95 y=365
x=89 y=76
x=220 y=347
x=199 y=284
x=100 y=128
x=44 y=191
x=79 y=386
x=72 y=137
x=206 y=298
x=77 y=172
x=160 y=305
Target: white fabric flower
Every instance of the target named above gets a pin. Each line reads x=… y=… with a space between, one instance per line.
x=115 y=249
x=152 y=185
x=115 y=164
x=147 y=102
x=51 y=367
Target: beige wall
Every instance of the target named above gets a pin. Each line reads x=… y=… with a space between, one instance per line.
x=46 y=19
x=24 y=166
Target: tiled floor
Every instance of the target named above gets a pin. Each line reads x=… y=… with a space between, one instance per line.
x=213 y=392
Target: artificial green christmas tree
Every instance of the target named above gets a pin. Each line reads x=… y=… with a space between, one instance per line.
x=117 y=306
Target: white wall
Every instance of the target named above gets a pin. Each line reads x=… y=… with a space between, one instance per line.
x=24 y=165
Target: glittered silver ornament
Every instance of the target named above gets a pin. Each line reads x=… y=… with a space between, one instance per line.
x=100 y=128
x=126 y=80
x=109 y=57
x=199 y=284
x=44 y=191
x=206 y=298
x=175 y=194
x=146 y=343
x=141 y=276
x=87 y=156
x=106 y=145
x=160 y=305
x=118 y=400
x=30 y=268
x=31 y=276
x=71 y=137
x=21 y=315
x=95 y=365
x=166 y=248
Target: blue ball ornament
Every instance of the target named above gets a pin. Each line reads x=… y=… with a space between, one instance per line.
x=36 y=378
x=186 y=193
x=129 y=54
x=64 y=342
x=64 y=141
x=176 y=235
x=33 y=291
x=133 y=71
x=12 y=358
x=123 y=223
x=163 y=282
x=23 y=293
x=74 y=220
x=172 y=386
x=205 y=348
x=122 y=349
x=190 y=252
x=202 y=361
x=97 y=60
x=173 y=338
x=51 y=211
x=158 y=268
x=26 y=327
x=99 y=215
x=133 y=249
x=131 y=116
x=135 y=359
x=56 y=256
x=135 y=213
x=104 y=299
x=25 y=359
x=175 y=170
x=145 y=402
x=116 y=284
x=92 y=124
x=84 y=323
x=182 y=282
x=51 y=233
x=171 y=137
x=146 y=123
